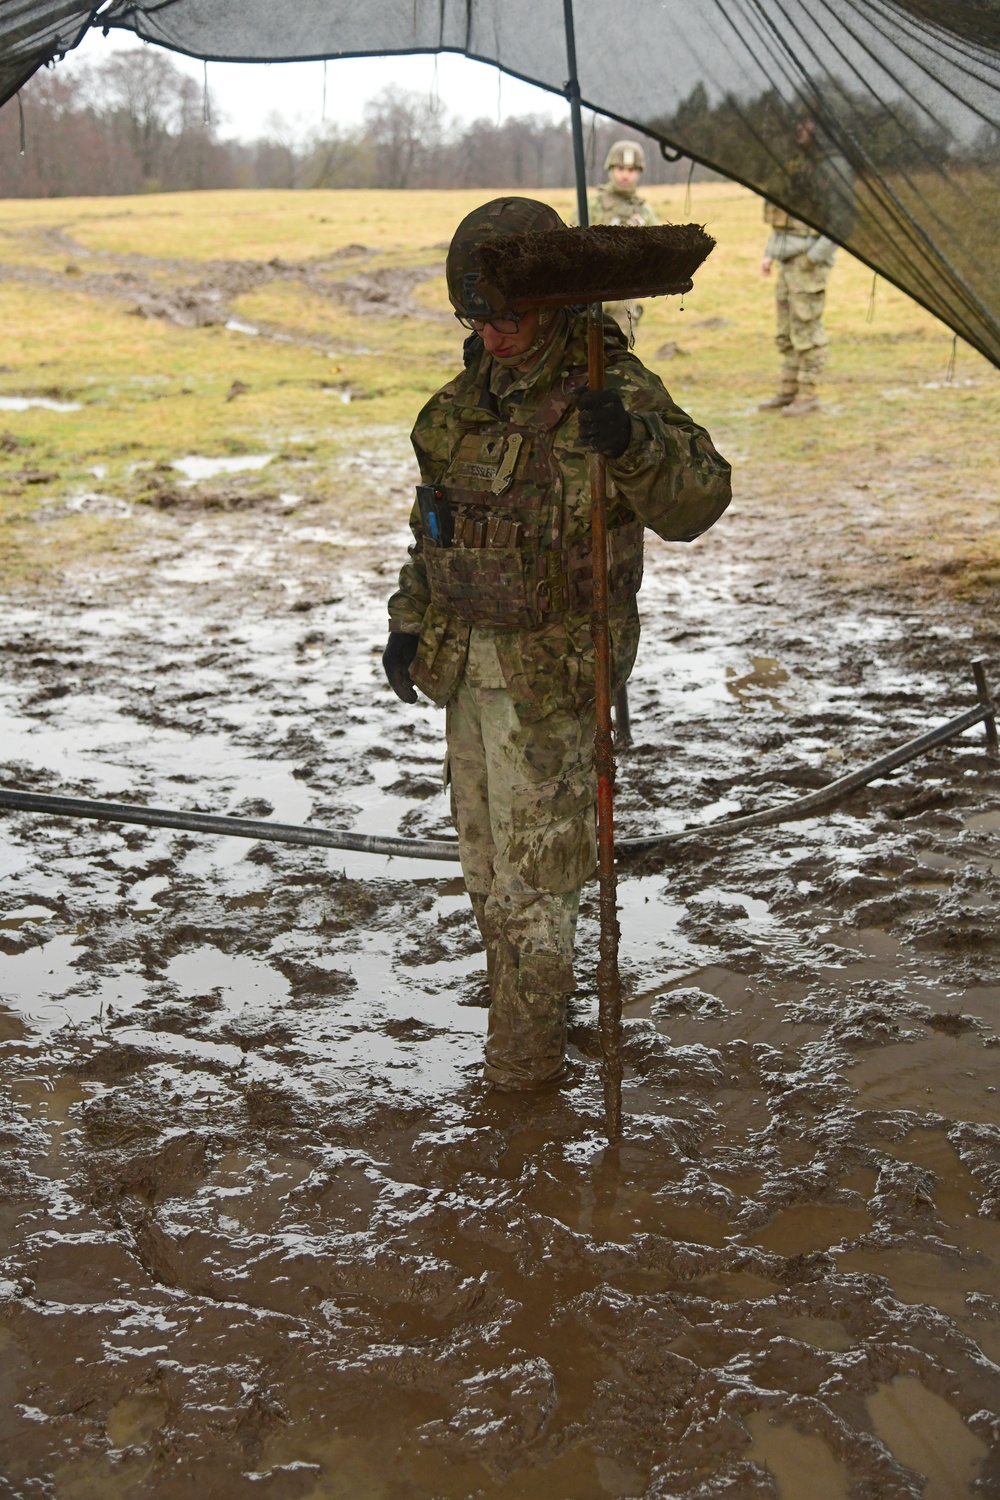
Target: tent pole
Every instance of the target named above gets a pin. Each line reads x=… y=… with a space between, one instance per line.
x=609 y=988
x=576 y=117
x=623 y=725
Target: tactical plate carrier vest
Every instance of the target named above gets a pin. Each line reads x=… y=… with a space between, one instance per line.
x=494 y=545
x=779 y=219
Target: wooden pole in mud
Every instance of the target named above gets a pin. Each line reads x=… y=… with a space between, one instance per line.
x=609 y=984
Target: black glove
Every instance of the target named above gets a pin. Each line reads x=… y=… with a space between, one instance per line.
x=605 y=425
x=396 y=659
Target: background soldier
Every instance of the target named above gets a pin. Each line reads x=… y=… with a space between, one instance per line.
x=491 y=617
x=804 y=258
x=617 y=202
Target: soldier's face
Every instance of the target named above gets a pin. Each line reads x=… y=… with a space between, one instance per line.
x=626 y=177
x=509 y=345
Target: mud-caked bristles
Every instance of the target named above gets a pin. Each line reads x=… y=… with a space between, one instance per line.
x=581 y=265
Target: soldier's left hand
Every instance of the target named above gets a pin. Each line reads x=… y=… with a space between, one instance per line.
x=605 y=425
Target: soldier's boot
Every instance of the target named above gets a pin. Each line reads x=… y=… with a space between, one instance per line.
x=783 y=398
x=526 y=1040
x=805 y=402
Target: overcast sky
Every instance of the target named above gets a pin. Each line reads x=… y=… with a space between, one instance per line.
x=244 y=95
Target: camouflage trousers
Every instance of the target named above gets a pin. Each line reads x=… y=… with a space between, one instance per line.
x=800 y=293
x=524 y=802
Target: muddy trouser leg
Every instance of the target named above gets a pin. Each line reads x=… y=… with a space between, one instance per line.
x=806 y=299
x=539 y=847
x=783 y=334
x=470 y=806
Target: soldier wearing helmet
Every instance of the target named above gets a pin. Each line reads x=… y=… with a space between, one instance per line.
x=491 y=619
x=820 y=180
x=617 y=202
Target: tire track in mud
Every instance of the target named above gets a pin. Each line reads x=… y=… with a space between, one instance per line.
x=264 y=1231
x=200 y=294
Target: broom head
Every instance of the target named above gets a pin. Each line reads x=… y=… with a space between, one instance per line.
x=604 y=263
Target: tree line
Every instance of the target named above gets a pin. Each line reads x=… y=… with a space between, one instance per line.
x=135 y=122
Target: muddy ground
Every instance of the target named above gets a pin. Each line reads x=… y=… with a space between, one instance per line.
x=265 y=1233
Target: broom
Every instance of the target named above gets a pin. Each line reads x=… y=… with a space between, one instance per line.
x=557 y=268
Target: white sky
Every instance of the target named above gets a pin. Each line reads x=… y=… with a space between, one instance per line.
x=244 y=95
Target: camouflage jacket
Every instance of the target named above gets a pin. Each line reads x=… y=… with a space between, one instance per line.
x=670 y=478
x=821 y=185
x=611 y=204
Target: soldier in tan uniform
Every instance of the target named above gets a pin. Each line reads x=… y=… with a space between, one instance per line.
x=617 y=202
x=491 y=617
x=804 y=258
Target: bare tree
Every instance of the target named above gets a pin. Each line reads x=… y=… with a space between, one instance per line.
x=152 y=104
x=403 y=131
x=134 y=121
x=337 y=158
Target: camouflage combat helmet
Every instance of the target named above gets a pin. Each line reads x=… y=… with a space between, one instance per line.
x=501 y=216
x=625 y=154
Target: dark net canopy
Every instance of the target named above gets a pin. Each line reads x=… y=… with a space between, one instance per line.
x=904 y=163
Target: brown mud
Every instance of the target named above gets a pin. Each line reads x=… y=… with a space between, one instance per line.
x=199 y=294
x=264 y=1232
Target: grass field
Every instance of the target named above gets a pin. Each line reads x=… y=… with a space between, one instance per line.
x=902 y=460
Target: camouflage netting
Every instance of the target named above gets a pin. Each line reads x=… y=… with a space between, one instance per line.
x=905 y=94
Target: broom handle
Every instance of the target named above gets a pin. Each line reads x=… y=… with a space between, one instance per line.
x=609 y=989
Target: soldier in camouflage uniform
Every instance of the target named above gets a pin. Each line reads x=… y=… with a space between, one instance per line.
x=804 y=259
x=617 y=202
x=491 y=618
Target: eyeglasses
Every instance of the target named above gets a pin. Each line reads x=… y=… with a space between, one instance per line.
x=504 y=323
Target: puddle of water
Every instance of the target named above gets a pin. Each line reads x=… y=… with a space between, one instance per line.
x=240 y=981
x=926 y=1433
x=49 y=1102
x=89 y=739
x=759 y=684
x=985 y=822
x=806 y=1227
x=22 y=403
x=802 y=1466
x=16 y=919
x=46 y=989
x=195 y=467
x=950 y=1076
x=923 y=1277
x=140 y=895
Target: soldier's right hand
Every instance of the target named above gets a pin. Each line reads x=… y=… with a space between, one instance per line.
x=765 y=266
x=396 y=659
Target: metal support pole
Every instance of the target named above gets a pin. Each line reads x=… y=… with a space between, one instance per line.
x=576 y=117
x=983 y=694
x=623 y=725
